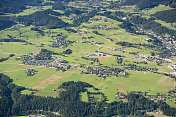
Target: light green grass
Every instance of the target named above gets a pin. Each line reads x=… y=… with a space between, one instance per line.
x=16 y=48
x=3 y=55
x=137 y=81
x=26 y=92
x=167 y=25
x=32 y=9
x=156 y=114
x=84 y=96
x=20 y=77
x=11 y=67
x=141 y=81
x=171 y=102
x=159 y=8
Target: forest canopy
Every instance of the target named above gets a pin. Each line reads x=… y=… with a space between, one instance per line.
x=168 y=16
x=16 y=6
x=43 y=18
x=69 y=104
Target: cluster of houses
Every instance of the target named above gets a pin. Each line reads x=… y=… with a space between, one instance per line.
x=57 y=63
x=160 y=98
x=35 y=116
x=35 y=62
x=131 y=8
x=39 y=8
x=98 y=19
x=173 y=74
x=116 y=49
x=28 y=60
x=80 y=33
x=31 y=72
x=152 y=59
x=167 y=41
x=153 y=97
x=62 y=63
x=141 y=57
x=96 y=54
x=119 y=60
x=87 y=37
x=92 y=42
x=100 y=27
x=139 y=68
x=16 y=27
x=173 y=90
x=120 y=95
x=62 y=66
x=103 y=72
x=89 y=4
x=173 y=67
x=50 y=32
x=61 y=42
x=142 y=62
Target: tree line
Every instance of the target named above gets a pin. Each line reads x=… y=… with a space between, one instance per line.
x=168 y=16
x=16 y=6
x=144 y=4
x=43 y=18
x=6 y=58
x=6 y=22
x=68 y=103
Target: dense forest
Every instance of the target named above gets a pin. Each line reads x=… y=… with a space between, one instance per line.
x=68 y=103
x=84 y=18
x=150 y=24
x=135 y=23
x=143 y=4
x=16 y=6
x=59 y=6
x=45 y=54
x=43 y=18
x=168 y=16
x=6 y=22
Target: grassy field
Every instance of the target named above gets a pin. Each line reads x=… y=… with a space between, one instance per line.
x=167 y=25
x=141 y=81
x=156 y=114
x=84 y=96
x=17 y=48
x=48 y=79
x=33 y=9
x=159 y=8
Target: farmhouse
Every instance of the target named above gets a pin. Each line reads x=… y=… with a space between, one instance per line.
x=79 y=33
x=114 y=49
x=173 y=73
x=173 y=67
x=96 y=54
x=34 y=116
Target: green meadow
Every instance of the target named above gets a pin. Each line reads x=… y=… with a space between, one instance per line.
x=137 y=81
x=48 y=78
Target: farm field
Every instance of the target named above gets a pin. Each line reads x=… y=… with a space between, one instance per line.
x=142 y=81
x=107 y=45
x=137 y=81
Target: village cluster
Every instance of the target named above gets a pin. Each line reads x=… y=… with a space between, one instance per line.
x=168 y=41
x=150 y=58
